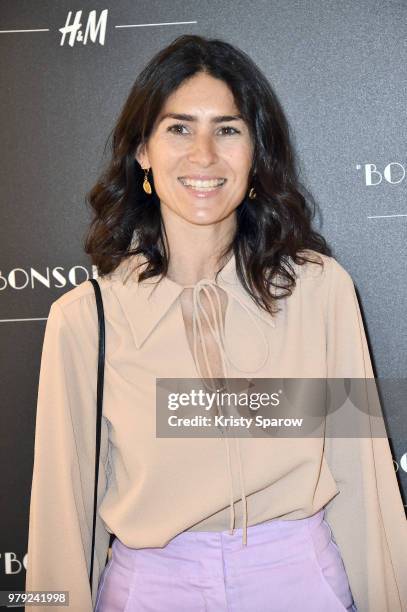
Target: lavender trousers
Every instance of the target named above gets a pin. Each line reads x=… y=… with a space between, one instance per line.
x=287 y=566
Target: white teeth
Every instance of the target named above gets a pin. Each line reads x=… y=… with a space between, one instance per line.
x=200 y=183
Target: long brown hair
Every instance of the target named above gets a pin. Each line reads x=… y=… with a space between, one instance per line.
x=271 y=228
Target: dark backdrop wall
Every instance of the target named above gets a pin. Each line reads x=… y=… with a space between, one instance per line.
x=339 y=71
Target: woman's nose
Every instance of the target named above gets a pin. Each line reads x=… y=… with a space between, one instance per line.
x=203 y=150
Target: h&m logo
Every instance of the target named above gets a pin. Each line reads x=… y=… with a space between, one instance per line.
x=93 y=30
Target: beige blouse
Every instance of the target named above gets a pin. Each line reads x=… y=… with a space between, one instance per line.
x=151 y=488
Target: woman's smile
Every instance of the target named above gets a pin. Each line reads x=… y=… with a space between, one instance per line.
x=201 y=188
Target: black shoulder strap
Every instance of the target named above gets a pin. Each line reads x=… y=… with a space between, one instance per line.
x=99 y=402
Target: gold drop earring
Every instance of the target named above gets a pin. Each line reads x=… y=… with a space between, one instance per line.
x=146 y=182
x=252 y=193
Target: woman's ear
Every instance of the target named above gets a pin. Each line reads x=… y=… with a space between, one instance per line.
x=142 y=156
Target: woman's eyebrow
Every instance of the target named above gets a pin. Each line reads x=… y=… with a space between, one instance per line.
x=184 y=117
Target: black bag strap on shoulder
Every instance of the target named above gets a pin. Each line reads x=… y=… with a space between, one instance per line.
x=99 y=404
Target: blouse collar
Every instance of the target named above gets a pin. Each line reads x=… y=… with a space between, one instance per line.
x=146 y=303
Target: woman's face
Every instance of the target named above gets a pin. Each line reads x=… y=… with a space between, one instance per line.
x=206 y=142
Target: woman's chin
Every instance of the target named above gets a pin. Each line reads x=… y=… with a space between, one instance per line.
x=203 y=216
x=200 y=212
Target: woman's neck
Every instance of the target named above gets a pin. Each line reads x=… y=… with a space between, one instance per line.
x=196 y=252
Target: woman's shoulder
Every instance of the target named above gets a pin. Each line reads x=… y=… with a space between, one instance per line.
x=74 y=299
x=321 y=279
x=79 y=296
x=320 y=266
x=77 y=306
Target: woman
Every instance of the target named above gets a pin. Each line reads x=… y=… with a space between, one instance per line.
x=209 y=268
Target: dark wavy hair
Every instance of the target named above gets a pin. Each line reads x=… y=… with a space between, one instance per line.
x=270 y=229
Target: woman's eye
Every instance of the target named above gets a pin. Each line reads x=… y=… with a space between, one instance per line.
x=177 y=127
x=235 y=131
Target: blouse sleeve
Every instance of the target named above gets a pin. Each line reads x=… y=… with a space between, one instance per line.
x=61 y=506
x=367 y=516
